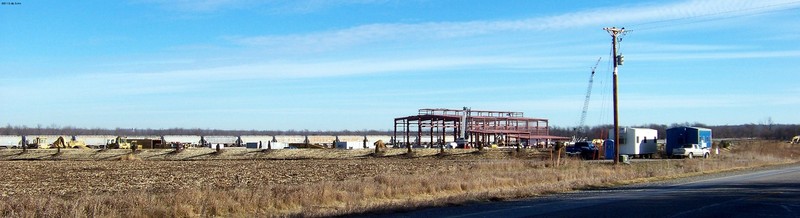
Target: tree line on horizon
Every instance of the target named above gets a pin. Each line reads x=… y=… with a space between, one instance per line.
x=762 y=131
x=69 y=130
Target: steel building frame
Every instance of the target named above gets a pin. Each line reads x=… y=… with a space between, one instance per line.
x=482 y=127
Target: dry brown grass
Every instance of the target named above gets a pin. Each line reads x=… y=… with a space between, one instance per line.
x=481 y=179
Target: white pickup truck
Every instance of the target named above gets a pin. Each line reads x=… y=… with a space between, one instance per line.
x=690 y=151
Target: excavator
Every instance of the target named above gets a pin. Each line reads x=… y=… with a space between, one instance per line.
x=61 y=143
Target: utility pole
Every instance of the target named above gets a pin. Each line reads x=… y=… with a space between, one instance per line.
x=617 y=61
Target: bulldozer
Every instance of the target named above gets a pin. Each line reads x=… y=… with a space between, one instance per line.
x=120 y=143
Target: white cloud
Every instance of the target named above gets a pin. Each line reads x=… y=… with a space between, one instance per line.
x=682 y=47
x=310 y=69
x=564 y=110
x=340 y=65
x=309 y=6
x=272 y=6
x=111 y=84
x=645 y=16
x=715 y=55
x=718 y=101
x=784 y=37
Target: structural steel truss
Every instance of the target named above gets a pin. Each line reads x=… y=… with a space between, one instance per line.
x=477 y=127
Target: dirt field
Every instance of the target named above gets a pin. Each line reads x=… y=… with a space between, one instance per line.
x=73 y=177
x=299 y=182
x=75 y=172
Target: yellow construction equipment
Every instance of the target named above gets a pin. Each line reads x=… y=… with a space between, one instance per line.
x=120 y=143
x=59 y=143
x=380 y=145
x=598 y=142
x=39 y=142
x=62 y=143
x=77 y=144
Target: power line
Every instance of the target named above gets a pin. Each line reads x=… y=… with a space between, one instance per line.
x=604 y=110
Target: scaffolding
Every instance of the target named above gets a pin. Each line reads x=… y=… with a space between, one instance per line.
x=473 y=127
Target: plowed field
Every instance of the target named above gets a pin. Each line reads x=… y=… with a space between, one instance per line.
x=65 y=177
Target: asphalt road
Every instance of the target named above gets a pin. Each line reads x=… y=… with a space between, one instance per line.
x=773 y=192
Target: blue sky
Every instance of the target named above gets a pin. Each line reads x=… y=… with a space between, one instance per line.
x=357 y=64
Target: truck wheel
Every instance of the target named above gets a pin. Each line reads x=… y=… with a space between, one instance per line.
x=705 y=156
x=691 y=156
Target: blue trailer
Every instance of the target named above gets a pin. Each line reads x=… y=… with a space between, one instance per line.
x=679 y=136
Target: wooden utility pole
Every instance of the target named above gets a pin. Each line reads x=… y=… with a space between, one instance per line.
x=617 y=61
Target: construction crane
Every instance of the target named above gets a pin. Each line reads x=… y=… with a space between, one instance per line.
x=586 y=101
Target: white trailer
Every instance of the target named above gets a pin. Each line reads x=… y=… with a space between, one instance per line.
x=274 y=145
x=350 y=138
x=350 y=145
x=149 y=137
x=637 y=142
x=387 y=139
x=96 y=141
x=10 y=141
x=229 y=141
x=290 y=139
x=190 y=140
x=321 y=139
x=214 y=146
x=263 y=139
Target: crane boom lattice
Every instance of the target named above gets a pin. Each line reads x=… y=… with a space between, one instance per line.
x=588 y=96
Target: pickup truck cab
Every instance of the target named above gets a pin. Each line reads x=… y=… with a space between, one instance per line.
x=690 y=151
x=586 y=150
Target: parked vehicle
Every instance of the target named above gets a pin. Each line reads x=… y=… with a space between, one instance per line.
x=690 y=151
x=679 y=136
x=462 y=143
x=585 y=150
